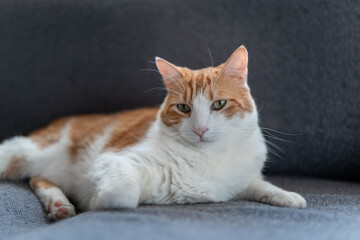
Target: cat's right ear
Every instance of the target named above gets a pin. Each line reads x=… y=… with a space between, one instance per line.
x=168 y=71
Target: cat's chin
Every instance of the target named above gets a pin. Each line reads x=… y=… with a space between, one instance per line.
x=200 y=141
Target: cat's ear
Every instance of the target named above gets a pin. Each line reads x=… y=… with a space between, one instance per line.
x=168 y=71
x=236 y=67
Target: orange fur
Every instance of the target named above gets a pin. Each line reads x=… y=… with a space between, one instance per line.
x=50 y=134
x=15 y=167
x=84 y=129
x=131 y=127
x=36 y=182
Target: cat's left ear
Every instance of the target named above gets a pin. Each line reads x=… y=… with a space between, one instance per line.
x=168 y=71
x=236 y=67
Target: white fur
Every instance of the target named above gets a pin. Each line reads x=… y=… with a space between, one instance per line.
x=171 y=165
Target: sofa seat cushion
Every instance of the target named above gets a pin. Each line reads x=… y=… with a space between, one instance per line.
x=333 y=212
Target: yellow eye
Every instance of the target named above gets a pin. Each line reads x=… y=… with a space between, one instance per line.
x=217 y=105
x=183 y=108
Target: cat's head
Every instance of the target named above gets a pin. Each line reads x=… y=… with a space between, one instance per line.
x=206 y=104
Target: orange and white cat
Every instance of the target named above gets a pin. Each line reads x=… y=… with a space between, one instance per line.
x=203 y=144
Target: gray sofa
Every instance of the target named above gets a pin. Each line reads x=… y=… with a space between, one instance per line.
x=64 y=57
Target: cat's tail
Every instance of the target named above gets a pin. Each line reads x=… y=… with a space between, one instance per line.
x=16 y=157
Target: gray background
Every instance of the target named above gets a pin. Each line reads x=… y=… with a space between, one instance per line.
x=69 y=57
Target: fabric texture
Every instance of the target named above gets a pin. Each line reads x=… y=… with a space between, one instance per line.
x=333 y=212
x=20 y=210
x=68 y=57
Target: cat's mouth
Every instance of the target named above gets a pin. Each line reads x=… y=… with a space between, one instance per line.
x=204 y=140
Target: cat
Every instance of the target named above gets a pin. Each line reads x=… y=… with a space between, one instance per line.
x=203 y=144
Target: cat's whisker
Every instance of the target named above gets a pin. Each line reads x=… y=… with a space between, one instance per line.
x=162 y=88
x=176 y=82
x=155 y=88
x=273 y=152
x=277 y=138
x=172 y=78
x=211 y=58
x=284 y=133
x=176 y=92
x=275 y=146
x=266 y=133
x=149 y=70
x=178 y=78
x=261 y=108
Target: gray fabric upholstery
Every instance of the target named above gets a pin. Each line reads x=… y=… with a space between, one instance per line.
x=20 y=210
x=333 y=212
x=79 y=56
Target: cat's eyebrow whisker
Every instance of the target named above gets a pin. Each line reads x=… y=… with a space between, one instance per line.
x=162 y=88
x=148 y=69
x=182 y=90
x=178 y=78
x=155 y=88
x=172 y=78
x=174 y=91
x=212 y=62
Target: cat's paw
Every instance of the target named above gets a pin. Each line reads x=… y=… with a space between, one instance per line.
x=60 y=209
x=118 y=197
x=284 y=199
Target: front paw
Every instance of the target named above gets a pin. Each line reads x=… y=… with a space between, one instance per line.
x=284 y=199
x=121 y=196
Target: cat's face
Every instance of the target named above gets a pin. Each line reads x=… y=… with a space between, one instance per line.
x=204 y=105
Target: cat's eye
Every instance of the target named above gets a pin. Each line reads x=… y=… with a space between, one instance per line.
x=183 y=108
x=217 y=105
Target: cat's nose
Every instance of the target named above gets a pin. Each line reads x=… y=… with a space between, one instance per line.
x=200 y=131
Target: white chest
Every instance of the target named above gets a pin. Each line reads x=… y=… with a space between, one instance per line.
x=205 y=176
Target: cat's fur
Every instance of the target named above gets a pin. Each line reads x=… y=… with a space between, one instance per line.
x=157 y=156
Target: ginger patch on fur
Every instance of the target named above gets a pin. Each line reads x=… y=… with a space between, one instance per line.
x=15 y=167
x=50 y=134
x=130 y=128
x=37 y=182
x=84 y=129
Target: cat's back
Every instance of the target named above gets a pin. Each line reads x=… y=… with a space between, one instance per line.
x=122 y=129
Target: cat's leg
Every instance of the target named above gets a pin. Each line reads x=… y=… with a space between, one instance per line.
x=117 y=183
x=56 y=203
x=265 y=192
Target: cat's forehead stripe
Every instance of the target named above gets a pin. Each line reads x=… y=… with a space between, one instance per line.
x=200 y=81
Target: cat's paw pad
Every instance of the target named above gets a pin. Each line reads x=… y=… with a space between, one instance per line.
x=284 y=199
x=59 y=210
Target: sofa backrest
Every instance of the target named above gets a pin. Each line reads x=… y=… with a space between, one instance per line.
x=71 y=57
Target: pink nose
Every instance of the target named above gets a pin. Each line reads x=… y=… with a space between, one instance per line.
x=200 y=131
